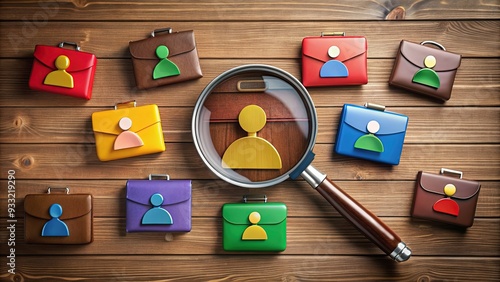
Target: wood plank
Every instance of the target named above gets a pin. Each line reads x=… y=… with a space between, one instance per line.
x=383 y=198
x=250 y=268
x=305 y=236
x=319 y=10
x=79 y=161
x=474 y=124
x=73 y=125
x=47 y=139
x=242 y=39
x=14 y=91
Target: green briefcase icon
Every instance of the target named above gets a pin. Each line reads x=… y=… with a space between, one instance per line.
x=256 y=226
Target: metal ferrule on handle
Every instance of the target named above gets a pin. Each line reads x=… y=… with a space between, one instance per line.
x=401 y=252
x=313 y=176
x=364 y=220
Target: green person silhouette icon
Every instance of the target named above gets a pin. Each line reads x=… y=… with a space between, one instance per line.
x=427 y=76
x=165 y=67
x=369 y=141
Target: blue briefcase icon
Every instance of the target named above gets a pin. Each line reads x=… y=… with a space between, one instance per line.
x=371 y=133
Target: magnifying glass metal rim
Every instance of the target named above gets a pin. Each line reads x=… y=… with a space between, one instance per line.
x=279 y=73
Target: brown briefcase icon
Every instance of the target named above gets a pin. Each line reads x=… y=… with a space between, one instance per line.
x=446 y=199
x=425 y=70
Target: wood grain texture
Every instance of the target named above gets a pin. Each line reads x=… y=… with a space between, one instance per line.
x=48 y=140
x=229 y=10
x=249 y=39
x=477 y=125
x=79 y=161
x=302 y=201
x=314 y=267
x=330 y=237
x=114 y=83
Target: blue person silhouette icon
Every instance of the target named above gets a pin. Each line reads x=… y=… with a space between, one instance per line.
x=157 y=214
x=55 y=226
x=333 y=68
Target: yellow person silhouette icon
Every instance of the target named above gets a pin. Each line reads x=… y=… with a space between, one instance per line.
x=60 y=77
x=254 y=232
x=251 y=152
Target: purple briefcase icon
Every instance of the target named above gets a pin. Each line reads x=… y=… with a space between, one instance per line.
x=162 y=205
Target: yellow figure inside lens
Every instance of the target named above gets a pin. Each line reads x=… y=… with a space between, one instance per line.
x=251 y=152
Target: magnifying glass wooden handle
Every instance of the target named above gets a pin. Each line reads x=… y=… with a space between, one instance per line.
x=364 y=220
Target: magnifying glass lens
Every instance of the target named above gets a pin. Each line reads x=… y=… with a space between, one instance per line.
x=253 y=127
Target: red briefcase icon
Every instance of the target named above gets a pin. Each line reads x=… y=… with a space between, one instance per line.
x=333 y=60
x=63 y=71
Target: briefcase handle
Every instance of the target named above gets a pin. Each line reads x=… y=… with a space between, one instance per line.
x=433 y=43
x=167 y=29
x=451 y=171
x=374 y=106
x=49 y=189
x=128 y=104
x=335 y=33
x=69 y=43
x=166 y=176
x=254 y=198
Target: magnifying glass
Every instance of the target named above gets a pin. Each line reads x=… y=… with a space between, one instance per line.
x=255 y=126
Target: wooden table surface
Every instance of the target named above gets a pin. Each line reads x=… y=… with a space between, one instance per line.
x=47 y=140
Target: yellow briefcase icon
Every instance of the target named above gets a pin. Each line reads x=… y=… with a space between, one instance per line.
x=127 y=131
